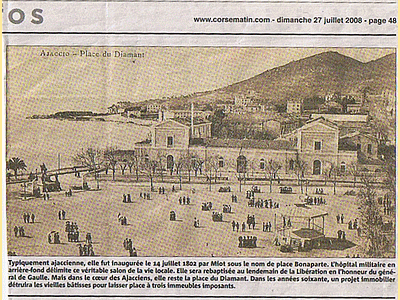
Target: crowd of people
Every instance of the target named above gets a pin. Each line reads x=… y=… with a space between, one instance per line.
x=315 y=200
x=341 y=234
x=247 y=241
x=29 y=218
x=260 y=203
x=161 y=190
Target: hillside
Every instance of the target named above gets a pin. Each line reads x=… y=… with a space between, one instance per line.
x=316 y=75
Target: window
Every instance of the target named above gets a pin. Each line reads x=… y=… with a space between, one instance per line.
x=317 y=145
x=369 y=148
x=291 y=164
x=358 y=147
x=317 y=167
x=221 y=162
x=262 y=164
x=170 y=141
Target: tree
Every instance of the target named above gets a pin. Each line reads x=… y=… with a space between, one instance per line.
x=371 y=219
x=123 y=165
x=271 y=171
x=133 y=161
x=352 y=169
x=179 y=165
x=16 y=164
x=299 y=168
x=150 y=165
x=91 y=158
x=240 y=173
x=334 y=173
x=110 y=157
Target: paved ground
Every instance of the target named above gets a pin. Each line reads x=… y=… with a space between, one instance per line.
x=148 y=221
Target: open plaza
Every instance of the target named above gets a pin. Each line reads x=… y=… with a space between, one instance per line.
x=193 y=233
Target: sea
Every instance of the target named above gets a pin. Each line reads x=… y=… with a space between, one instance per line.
x=39 y=141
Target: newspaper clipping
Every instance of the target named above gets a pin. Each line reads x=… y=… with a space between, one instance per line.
x=199 y=150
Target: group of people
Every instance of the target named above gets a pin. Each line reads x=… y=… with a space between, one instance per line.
x=46 y=196
x=267 y=227
x=145 y=196
x=122 y=219
x=206 y=206
x=251 y=221
x=319 y=191
x=53 y=237
x=29 y=218
x=236 y=226
x=172 y=215
x=340 y=219
x=19 y=231
x=72 y=231
x=341 y=234
x=234 y=199
x=161 y=190
x=260 y=203
x=227 y=208
x=68 y=193
x=61 y=214
x=386 y=202
x=184 y=200
x=247 y=242
x=127 y=198
x=128 y=245
x=86 y=250
x=217 y=217
x=315 y=200
x=287 y=223
x=353 y=225
x=196 y=223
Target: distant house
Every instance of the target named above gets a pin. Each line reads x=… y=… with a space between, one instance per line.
x=294 y=107
x=153 y=107
x=355 y=108
x=364 y=143
x=173 y=114
x=132 y=112
x=114 y=109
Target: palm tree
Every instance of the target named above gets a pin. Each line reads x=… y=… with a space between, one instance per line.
x=16 y=164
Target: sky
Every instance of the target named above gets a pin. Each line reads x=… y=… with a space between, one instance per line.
x=40 y=84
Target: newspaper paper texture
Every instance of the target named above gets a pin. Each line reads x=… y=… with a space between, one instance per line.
x=235 y=149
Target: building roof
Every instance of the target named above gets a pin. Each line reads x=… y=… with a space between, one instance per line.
x=301 y=211
x=342 y=117
x=248 y=144
x=187 y=121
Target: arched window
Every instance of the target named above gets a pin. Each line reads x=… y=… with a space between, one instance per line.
x=241 y=164
x=317 y=167
x=262 y=164
x=342 y=167
x=170 y=162
x=221 y=163
x=146 y=158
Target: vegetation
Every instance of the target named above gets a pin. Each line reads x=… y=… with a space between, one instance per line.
x=16 y=164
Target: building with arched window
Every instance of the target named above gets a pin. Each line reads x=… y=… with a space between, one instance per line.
x=316 y=144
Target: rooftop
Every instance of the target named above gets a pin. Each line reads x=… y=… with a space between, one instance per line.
x=246 y=143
